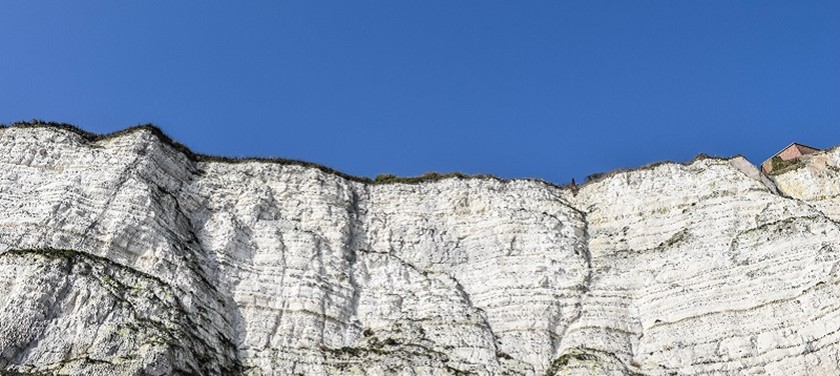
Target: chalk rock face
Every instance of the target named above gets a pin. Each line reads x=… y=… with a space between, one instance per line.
x=128 y=254
x=815 y=182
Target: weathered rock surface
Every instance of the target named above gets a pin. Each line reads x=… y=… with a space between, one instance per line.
x=129 y=255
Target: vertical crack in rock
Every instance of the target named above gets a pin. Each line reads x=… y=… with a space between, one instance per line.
x=326 y=299
x=583 y=288
x=355 y=242
x=587 y=278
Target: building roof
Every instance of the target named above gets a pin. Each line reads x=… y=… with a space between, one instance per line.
x=794 y=144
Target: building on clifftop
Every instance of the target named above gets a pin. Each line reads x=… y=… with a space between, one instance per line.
x=787 y=157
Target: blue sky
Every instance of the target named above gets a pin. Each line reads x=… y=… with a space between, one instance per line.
x=555 y=90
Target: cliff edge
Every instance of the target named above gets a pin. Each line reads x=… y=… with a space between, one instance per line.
x=129 y=254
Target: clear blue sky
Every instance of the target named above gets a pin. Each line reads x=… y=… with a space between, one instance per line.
x=554 y=89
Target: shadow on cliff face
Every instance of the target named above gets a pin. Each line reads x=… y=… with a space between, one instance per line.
x=83 y=314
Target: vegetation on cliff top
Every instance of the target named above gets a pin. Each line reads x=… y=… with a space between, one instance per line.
x=380 y=179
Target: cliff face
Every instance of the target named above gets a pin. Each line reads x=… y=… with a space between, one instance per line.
x=126 y=256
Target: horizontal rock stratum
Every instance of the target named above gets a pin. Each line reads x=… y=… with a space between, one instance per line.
x=129 y=254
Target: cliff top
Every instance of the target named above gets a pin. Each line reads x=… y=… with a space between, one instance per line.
x=380 y=179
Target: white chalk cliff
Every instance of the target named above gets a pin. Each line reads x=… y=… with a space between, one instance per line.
x=128 y=254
